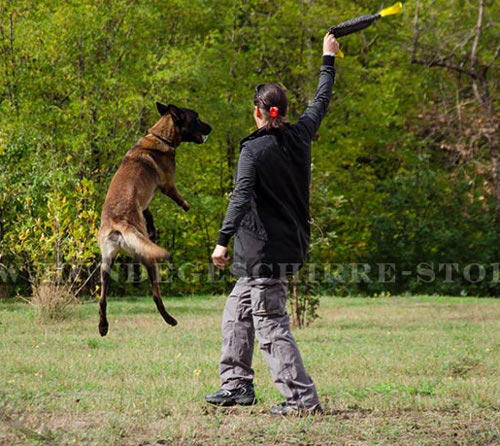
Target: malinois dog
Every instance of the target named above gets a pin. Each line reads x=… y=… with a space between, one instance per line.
x=126 y=222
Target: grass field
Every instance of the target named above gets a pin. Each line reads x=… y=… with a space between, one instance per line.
x=389 y=371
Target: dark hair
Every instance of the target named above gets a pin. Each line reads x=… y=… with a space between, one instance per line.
x=268 y=96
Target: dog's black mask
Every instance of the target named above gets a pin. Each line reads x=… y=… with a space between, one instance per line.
x=191 y=127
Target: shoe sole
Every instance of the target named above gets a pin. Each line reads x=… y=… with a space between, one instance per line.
x=233 y=402
x=246 y=402
x=292 y=412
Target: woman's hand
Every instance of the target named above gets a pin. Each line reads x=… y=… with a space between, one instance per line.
x=219 y=257
x=330 y=44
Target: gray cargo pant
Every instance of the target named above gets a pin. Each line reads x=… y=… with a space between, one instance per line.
x=257 y=308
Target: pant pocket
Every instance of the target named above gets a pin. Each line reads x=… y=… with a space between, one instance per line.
x=269 y=299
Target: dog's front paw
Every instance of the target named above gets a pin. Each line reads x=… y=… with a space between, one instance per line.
x=186 y=206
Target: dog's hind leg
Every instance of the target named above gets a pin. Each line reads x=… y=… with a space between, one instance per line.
x=106 y=264
x=154 y=277
x=150 y=226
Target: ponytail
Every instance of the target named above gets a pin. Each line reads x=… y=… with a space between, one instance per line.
x=272 y=101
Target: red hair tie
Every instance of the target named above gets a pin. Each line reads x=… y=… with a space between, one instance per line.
x=274 y=112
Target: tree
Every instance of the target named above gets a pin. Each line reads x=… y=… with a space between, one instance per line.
x=469 y=54
x=78 y=83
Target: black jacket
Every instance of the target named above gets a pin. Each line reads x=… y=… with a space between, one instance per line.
x=269 y=209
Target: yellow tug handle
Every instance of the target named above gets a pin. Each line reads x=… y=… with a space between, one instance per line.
x=394 y=9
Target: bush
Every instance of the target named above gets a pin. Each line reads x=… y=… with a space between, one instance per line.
x=53 y=302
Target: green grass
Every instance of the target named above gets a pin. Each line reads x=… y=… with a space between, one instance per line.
x=389 y=371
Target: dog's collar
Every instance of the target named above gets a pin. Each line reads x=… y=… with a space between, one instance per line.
x=166 y=141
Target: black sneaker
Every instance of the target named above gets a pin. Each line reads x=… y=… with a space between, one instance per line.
x=244 y=396
x=286 y=410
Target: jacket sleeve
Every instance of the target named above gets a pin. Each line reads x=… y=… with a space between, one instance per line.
x=240 y=201
x=310 y=121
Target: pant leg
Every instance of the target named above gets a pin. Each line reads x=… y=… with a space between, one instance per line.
x=237 y=338
x=272 y=329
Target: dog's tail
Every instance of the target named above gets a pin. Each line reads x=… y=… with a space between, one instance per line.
x=138 y=245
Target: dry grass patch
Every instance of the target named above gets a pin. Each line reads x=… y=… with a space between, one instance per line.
x=53 y=302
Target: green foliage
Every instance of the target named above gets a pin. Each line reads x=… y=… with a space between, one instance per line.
x=78 y=82
x=434 y=228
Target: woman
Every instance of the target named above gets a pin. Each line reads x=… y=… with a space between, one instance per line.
x=269 y=216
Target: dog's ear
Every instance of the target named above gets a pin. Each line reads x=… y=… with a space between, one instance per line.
x=176 y=113
x=162 y=109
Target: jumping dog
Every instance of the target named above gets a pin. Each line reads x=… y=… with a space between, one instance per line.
x=126 y=222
